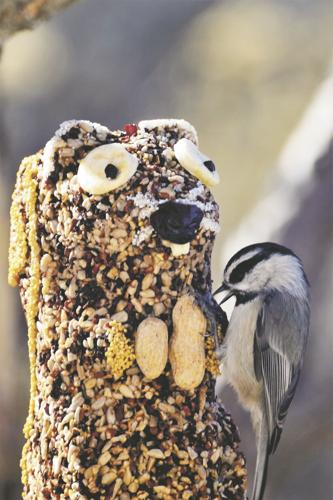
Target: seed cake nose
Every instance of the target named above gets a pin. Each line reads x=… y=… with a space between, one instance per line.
x=177 y=222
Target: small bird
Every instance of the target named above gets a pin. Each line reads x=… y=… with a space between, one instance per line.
x=265 y=341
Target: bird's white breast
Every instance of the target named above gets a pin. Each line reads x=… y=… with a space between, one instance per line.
x=238 y=365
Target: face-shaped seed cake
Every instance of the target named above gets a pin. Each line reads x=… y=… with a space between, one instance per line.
x=111 y=240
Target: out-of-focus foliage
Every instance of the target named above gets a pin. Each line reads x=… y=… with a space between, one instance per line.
x=16 y=15
x=241 y=71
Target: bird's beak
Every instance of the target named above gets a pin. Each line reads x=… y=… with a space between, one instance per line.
x=224 y=288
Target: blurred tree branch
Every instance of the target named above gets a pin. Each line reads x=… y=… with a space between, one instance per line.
x=16 y=15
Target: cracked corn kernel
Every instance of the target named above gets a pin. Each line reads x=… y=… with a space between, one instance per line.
x=120 y=354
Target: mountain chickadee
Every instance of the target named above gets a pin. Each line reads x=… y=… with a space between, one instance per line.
x=265 y=342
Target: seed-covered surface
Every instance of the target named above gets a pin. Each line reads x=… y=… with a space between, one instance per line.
x=91 y=269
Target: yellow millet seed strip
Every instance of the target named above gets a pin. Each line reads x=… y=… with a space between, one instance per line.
x=120 y=354
x=18 y=247
x=212 y=364
x=26 y=188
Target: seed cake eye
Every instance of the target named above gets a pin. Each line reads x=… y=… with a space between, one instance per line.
x=106 y=168
x=196 y=162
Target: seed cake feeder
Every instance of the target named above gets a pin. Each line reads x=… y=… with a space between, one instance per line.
x=111 y=240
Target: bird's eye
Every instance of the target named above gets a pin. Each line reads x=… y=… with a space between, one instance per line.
x=237 y=274
x=106 y=168
x=196 y=162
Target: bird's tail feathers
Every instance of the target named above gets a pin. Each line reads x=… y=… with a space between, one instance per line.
x=283 y=410
x=262 y=463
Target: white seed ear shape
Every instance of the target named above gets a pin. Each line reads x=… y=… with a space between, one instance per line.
x=106 y=168
x=196 y=162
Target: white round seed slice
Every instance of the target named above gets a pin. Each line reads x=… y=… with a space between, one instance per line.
x=106 y=168
x=196 y=162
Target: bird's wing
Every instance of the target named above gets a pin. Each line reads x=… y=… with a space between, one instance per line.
x=279 y=343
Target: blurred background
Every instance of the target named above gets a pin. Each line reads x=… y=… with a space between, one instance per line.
x=249 y=76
